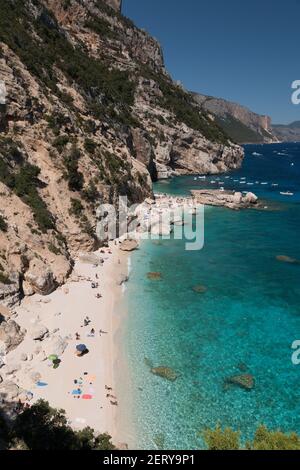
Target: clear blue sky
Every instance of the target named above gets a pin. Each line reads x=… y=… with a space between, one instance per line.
x=245 y=51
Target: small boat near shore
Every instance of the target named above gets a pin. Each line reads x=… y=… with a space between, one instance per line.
x=286 y=193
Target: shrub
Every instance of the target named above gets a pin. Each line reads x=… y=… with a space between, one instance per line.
x=25 y=184
x=90 y=146
x=60 y=143
x=101 y=27
x=41 y=427
x=218 y=439
x=76 y=208
x=264 y=439
x=3 y=224
x=4 y=279
x=73 y=175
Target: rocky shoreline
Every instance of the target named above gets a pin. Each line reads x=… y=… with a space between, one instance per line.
x=230 y=199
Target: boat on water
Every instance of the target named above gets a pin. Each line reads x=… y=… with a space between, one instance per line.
x=286 y=193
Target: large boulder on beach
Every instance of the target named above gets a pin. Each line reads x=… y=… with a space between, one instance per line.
x=9 y=391
x=129 y=245
x=11 y=334
x=55 y=345
x=245 y=381
x=39 y=332
x=38 y=279
x=165 y=372
x=91 y=258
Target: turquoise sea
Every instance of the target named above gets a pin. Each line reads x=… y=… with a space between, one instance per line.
x=245 y=322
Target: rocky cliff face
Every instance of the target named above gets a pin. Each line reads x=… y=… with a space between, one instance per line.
x=87 y=113
x=287 y=133
x=115 y=4
x=241 y=124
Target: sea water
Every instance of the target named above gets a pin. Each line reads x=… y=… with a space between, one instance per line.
x=245 y=322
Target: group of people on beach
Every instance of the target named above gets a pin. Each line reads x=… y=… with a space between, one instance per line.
x=113 y=399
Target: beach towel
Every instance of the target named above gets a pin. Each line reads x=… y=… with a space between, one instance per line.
x=41 y=384
x=87 y=397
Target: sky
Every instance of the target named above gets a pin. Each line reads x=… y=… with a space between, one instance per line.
x=244 y=51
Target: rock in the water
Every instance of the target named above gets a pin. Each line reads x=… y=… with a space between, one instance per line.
x=251 y=198
x=39 y=332
x=154 y=276
x=165 y=373
x=129 y=245
x=199 y=289
x=237 y=198
x=245 y=381
x=11 y=334
x=287 y=259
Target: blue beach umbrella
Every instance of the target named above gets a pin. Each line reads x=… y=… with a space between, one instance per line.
x=81 y=347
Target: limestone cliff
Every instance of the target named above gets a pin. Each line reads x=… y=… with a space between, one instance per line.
x=87 y=112
x=287 y=132
x=239 y=122
x=115 y=4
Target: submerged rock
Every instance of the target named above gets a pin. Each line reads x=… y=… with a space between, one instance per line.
x=148 y=362
x=165 y=373
x=245 y=381
x=287 y=259
x=154 y=276
x=199 y=289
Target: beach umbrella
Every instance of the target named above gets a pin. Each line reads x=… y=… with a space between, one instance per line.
x=53 y=357
x=81 y=347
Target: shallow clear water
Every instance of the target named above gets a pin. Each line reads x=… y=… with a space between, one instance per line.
x=245 y=322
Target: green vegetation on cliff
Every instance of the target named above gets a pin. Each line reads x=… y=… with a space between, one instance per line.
x=179 y=102
x=22 y=179
x=25 y=34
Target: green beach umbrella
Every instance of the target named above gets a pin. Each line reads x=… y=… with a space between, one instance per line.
x=53 y=357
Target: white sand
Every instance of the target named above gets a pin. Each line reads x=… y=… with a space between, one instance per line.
x=67 y=311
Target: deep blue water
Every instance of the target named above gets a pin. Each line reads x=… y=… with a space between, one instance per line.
x=245 y=322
